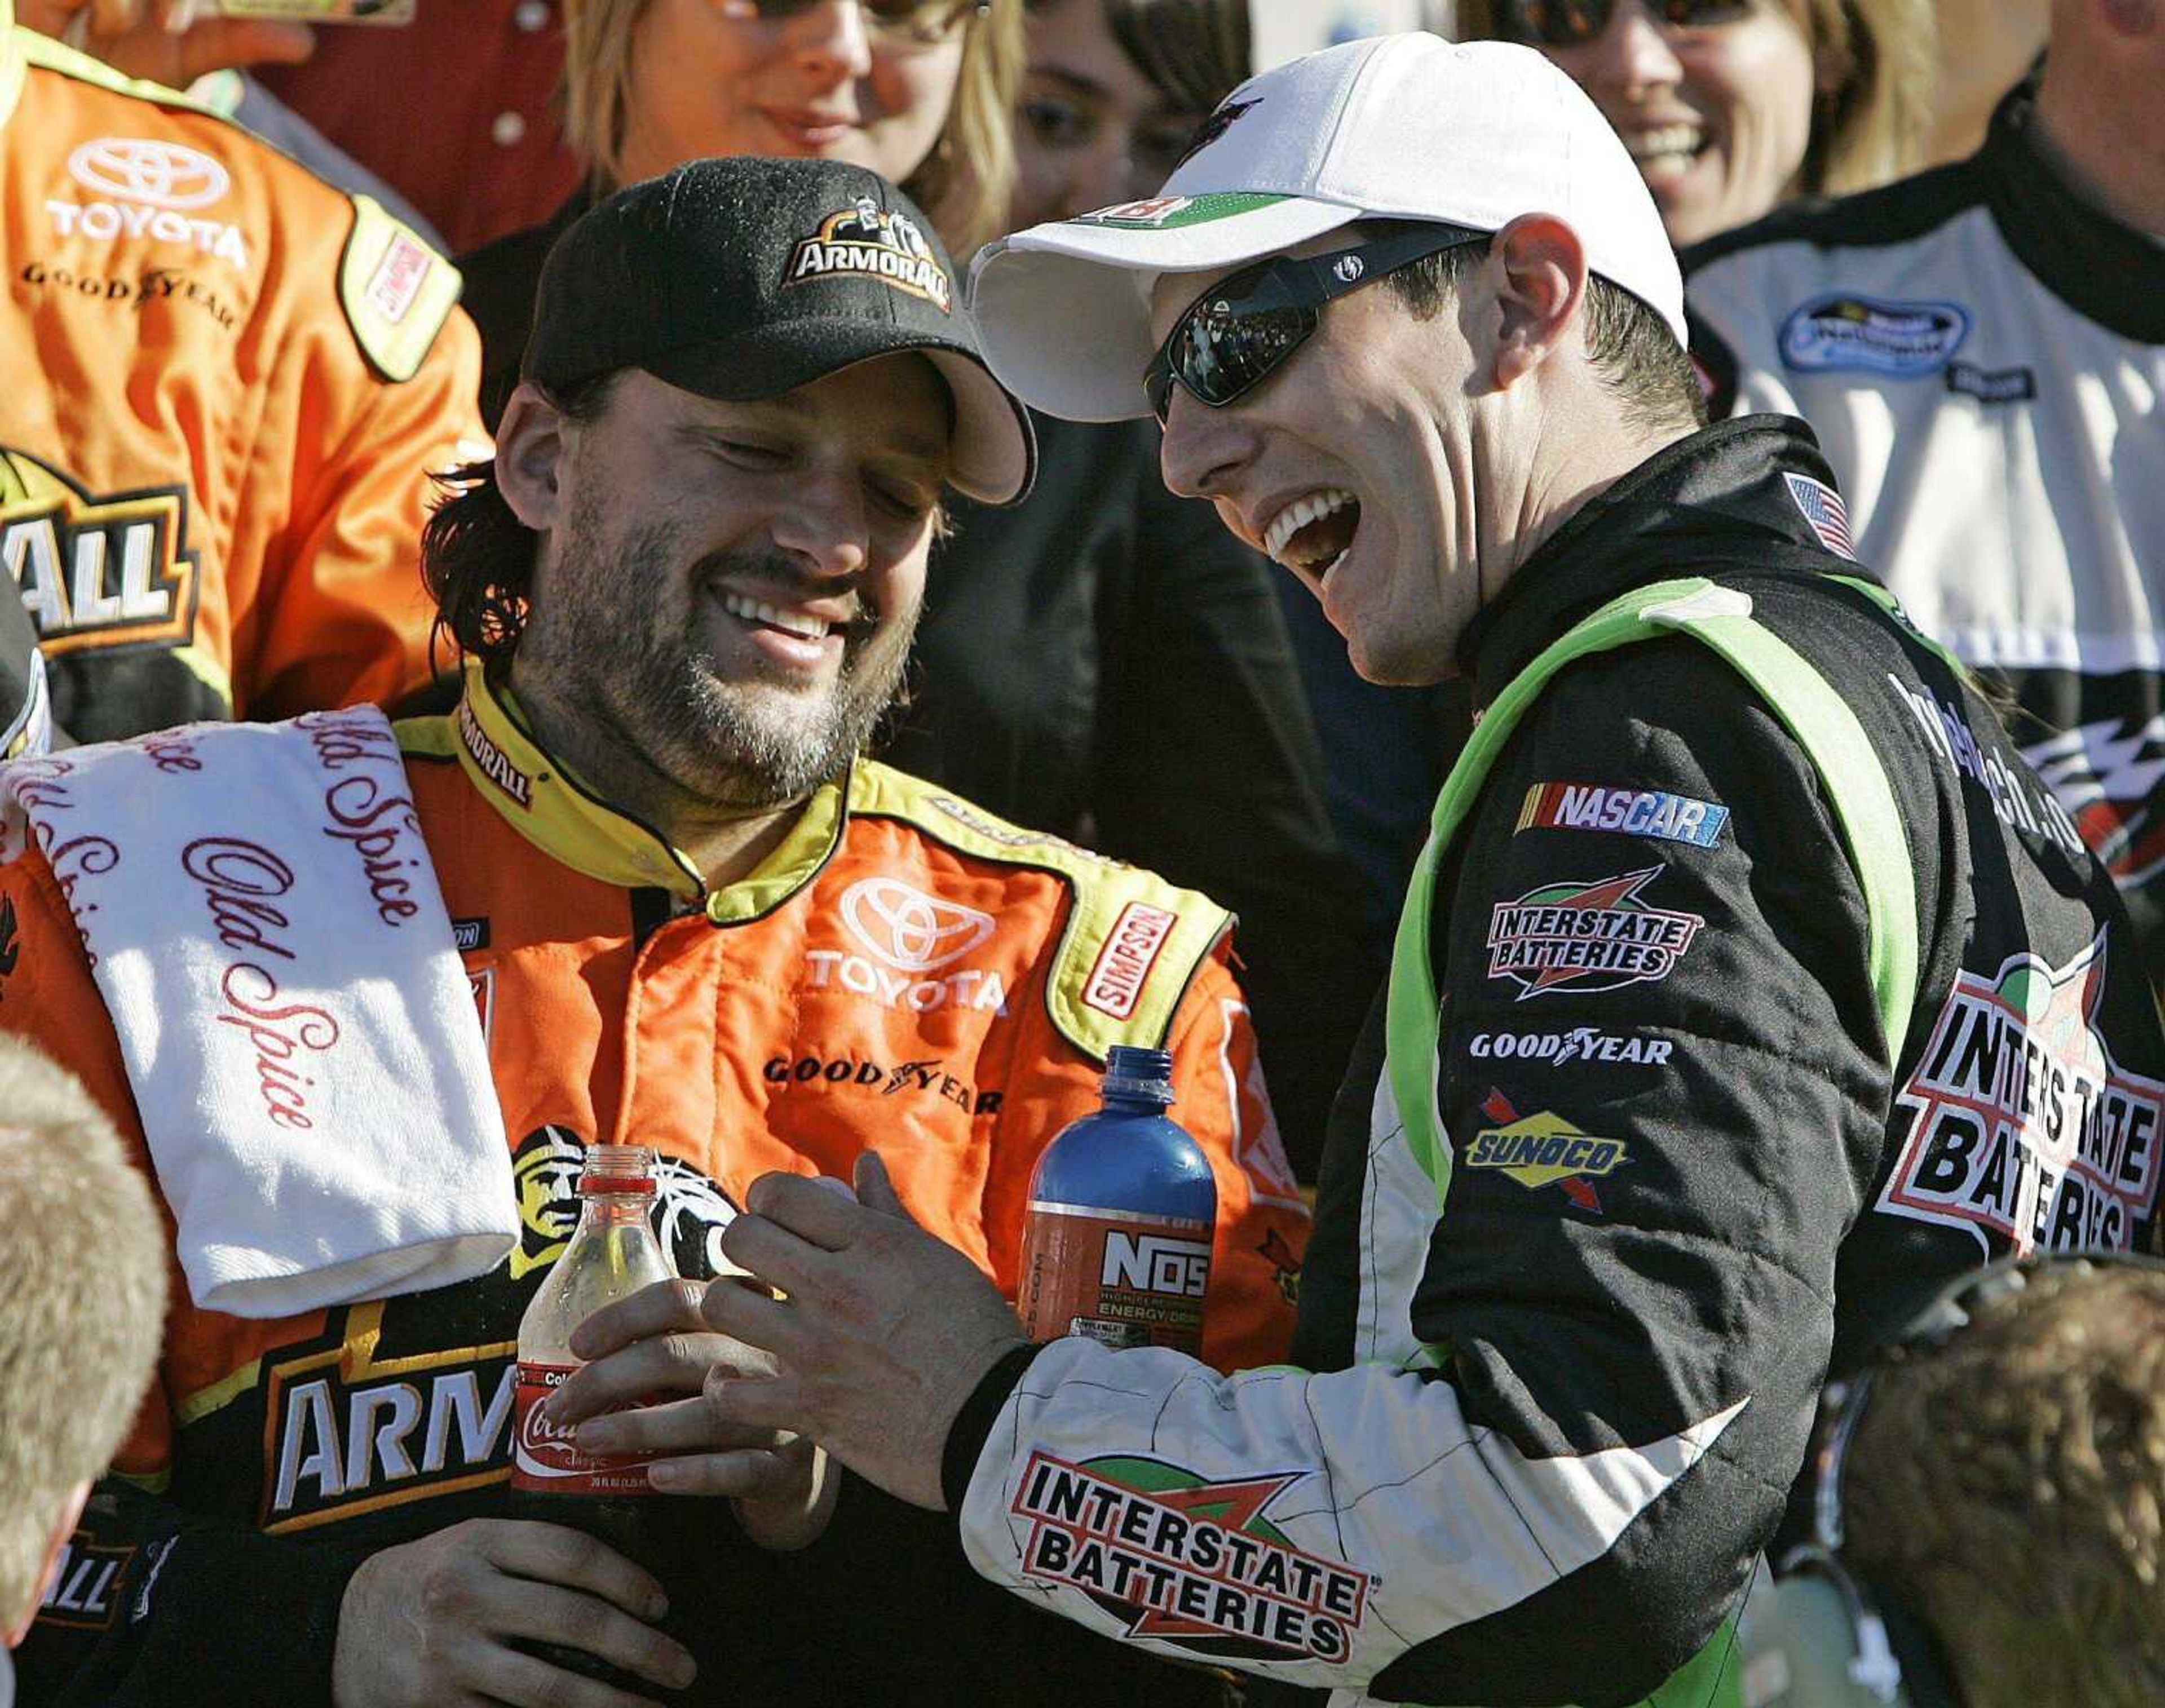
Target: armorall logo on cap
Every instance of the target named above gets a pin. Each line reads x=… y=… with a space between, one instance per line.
x=864 y=241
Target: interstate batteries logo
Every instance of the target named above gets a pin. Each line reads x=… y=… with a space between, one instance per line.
x=1589 y=937
x=2024 y=1127
x=864 y=242
x=1190 y=1562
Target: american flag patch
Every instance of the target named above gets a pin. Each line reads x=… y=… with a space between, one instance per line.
x=1824 y=509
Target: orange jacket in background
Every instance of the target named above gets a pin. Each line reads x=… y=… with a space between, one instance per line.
x=904 y=973
x=223 y=385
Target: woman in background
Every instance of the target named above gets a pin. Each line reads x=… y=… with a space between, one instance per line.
x=917 y=90
x=1731 y=107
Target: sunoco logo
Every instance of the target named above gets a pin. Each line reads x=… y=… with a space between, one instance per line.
x=866 y=242
x=1545 y=1150
x=1186 y=1561
x=910 y=931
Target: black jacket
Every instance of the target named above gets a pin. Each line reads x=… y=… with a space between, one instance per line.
x=1105 y=662
x=1562 y=1380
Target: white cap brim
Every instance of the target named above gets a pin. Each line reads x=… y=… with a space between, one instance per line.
x=1063 y=311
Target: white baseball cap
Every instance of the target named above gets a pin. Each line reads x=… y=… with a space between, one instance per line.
x=1396 y=126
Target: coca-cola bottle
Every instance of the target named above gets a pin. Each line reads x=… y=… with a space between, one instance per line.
x=612 y=1255
x=1122 y=1206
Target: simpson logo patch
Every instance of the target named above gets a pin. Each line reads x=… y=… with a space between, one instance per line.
x=1589 y=937
x=1630 y=812
x=2025 y=1128
x=1123 y=965
x=1544 y=1150
x=1190 y=1562
x=97 y=570
x=1873 y=335
x=396 y=282
x=866 y=242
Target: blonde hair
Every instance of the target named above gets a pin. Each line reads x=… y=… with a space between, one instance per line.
x=2009 y=1487
x=85 y=1256
x=1868 y=129
x=965 y=183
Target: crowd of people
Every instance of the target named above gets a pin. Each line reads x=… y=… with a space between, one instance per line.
x=771 y=578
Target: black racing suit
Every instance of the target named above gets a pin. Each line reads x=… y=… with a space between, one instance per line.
x=1739 y=1039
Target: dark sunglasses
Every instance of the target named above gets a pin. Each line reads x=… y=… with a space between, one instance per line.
x=1235 y=335
x=1574 y=22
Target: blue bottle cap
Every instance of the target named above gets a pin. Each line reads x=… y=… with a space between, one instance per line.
x=1133 y=1071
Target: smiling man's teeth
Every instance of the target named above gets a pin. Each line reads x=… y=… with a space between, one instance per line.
x=788 y=622
x=1298 y=514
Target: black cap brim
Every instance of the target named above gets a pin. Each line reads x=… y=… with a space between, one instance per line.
x=995 y=450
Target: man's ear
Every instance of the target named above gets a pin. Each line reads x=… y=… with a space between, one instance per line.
x=530 y=450
x=1537 y=269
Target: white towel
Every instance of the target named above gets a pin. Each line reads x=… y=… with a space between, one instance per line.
x=264 y=924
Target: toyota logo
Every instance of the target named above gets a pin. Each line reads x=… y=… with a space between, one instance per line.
x=910 y=931
x=163 y=174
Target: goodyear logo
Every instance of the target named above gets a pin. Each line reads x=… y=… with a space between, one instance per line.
x=97 y=570
x=1545 y=1150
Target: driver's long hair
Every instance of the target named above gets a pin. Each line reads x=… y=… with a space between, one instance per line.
x=477 y=556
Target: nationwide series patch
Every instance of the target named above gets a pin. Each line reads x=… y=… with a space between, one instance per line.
x=1628 y=811
x=1186 y=1561
x=1876 y=336
x=866 y=242
x=2024 y=1127
x=1544 y=1150
x=1586 y=937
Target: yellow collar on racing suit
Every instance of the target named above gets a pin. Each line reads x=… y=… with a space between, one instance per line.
x=568 y=820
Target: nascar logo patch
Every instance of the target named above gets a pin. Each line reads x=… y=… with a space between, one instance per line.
x=1629 y=812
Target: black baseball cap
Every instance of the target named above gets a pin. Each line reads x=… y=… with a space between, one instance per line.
x=745 y=278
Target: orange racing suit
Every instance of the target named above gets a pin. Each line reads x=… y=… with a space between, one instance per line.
x=904 y=972
x=222 y=384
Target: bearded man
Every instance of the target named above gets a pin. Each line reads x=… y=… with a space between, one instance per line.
x=693 y=918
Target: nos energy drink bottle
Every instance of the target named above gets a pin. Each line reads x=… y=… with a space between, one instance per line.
x=1121 y=1209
